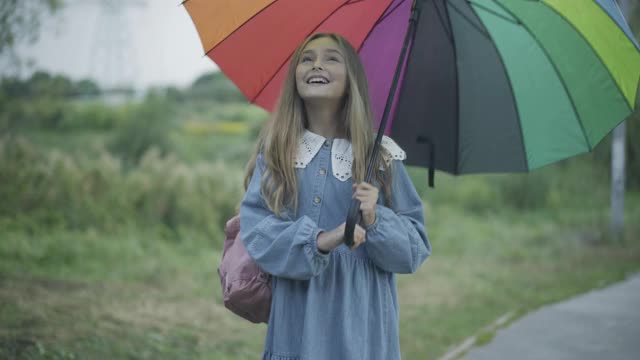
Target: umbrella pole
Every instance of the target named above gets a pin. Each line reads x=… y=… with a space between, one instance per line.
x=354 y=214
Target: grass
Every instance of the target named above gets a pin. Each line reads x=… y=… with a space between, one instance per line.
x=212 y=148
x=191 y=148
x=135 y=295
x=85 y=142
x=115 y=321
x=126 y=296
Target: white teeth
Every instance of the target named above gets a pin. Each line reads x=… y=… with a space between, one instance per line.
x=317 y=80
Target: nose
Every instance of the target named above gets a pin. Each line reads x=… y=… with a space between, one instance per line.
x=317 y=64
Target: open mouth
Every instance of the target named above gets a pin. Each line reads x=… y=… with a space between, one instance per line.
x=317 y=80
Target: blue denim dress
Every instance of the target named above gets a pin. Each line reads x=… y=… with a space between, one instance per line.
x=341 y=305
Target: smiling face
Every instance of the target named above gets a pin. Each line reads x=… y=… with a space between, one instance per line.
x=321 y=73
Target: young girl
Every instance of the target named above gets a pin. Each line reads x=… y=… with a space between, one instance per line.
x=329 y=301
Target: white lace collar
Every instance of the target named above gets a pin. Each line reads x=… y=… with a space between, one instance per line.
x=341 y=153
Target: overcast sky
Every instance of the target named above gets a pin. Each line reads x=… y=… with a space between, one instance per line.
x=159 y=44
x=155 y=45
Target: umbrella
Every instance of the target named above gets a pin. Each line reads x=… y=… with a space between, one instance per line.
x=485 y=86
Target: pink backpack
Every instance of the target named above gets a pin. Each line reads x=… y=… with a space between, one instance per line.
x=246 y=289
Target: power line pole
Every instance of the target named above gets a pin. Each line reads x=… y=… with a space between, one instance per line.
x=618 y=162
x=113 y=55
x=617 y=181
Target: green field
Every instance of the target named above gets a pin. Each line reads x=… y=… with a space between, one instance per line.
x=146 y=288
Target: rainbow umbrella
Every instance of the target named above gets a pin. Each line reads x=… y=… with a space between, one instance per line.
x=493 y=85
x=485 y=86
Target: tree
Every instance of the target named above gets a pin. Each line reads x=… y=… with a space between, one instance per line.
x=20 y=23
x=215 y=86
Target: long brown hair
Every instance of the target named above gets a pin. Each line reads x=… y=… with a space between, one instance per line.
x=280 y=135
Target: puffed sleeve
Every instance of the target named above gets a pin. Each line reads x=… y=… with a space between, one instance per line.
x=397 y=241
x=280 y=247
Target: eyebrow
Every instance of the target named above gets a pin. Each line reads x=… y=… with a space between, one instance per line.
x=328 y=50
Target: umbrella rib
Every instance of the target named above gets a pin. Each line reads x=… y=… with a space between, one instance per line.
x=464 y=16
x=633 y=40
x=376 y=24
x=388 y=13
x=594 y=52
x=239 y=27
x=457 y=90
x=555 y=69
x=516 y=22
x=446 y=30
x=510 y=82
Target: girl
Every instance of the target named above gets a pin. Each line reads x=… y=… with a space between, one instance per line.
x=329 y=301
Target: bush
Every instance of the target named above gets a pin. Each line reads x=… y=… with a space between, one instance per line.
x=95 y=116
x=216 y=87
x=147 y=127
x=54 y=190
x=44 y=85
x=44 y=191
x=477 y=194
x=44 y=113
x=524 y=191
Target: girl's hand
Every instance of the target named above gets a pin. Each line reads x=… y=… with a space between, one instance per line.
x=368 y=196
x=328 y=241
x=359 y=236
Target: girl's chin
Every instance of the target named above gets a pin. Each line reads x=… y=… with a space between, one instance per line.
x=320 y=96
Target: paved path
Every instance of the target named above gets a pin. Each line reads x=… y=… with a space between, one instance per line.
x=603 y=324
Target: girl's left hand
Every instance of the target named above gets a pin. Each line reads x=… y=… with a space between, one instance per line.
x=368 y=196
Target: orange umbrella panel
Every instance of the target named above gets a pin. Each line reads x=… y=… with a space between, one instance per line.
x=216 y=20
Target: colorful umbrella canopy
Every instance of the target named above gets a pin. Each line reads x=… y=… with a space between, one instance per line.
x=487 y=85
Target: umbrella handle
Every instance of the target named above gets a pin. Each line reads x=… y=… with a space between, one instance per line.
x=353 y=218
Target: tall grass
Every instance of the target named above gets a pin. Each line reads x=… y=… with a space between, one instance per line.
x=43 y=191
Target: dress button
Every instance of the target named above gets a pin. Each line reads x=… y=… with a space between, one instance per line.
x=317 y=199
x=323 y=171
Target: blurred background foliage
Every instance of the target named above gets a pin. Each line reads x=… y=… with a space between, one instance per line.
x=170 y=158
x=101 y=189
x=167 y=158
